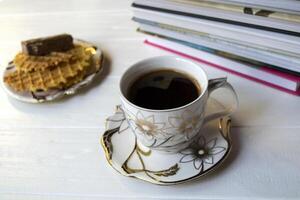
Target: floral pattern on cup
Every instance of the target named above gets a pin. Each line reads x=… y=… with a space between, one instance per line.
x=147 y=126
x=178 y=129
x=186 y=124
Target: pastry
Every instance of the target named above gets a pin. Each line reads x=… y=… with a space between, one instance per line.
x=55 y=70
x=26 y=63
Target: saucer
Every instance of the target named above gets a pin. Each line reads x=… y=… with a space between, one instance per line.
x=38 y=97
x=130 y=158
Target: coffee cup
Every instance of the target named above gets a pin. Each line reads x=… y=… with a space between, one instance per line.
x=173 y=129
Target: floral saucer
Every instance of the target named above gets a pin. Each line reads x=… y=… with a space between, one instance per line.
x=127 y=156
x=41 y=96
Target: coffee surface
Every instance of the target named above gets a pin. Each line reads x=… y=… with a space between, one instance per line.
x=163 y=89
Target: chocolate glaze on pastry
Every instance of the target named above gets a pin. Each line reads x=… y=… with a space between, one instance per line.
x=46 y=45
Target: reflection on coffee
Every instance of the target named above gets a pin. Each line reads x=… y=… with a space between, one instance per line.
x=163 y=89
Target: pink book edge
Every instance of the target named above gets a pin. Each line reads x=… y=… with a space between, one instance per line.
x=291 y=77
x=228 y=70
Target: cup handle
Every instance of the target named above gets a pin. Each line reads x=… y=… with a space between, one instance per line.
x=214 y=84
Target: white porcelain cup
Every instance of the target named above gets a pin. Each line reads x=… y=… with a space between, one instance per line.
x=171 y=130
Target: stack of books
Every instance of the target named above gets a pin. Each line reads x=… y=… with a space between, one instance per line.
x=256 y=39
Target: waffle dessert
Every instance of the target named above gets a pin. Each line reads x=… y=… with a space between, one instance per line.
x=27 y=63
x=55 y=70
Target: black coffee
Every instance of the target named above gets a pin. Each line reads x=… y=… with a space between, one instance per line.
x=163 y=89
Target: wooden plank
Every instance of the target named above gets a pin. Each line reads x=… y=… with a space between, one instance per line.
x=70 y=163
x=52 y=151
x=21 y=7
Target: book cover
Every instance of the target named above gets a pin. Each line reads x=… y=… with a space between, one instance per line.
x=217 y=15
x=245 y=10
x=215 y=37
x=258 y=37
x=288 y=6
x=290 y=63
x=276 y=79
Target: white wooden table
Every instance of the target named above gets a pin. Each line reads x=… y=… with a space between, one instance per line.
x=52 y=151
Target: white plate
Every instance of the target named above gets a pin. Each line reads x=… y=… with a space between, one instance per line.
x=38 y=97
x=127 y=156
